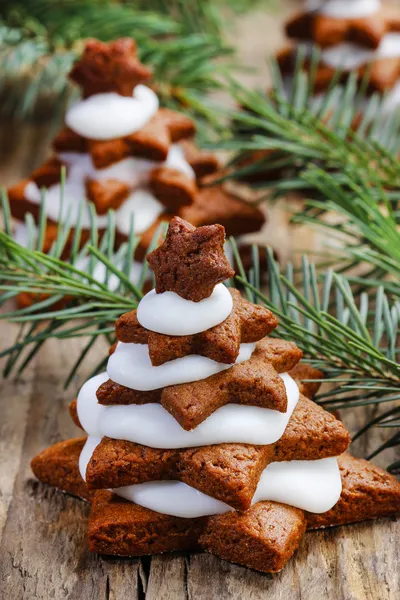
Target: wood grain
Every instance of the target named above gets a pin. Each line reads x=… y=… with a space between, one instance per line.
x=43 y=551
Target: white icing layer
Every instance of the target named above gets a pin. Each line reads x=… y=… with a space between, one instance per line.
x=176 y=160
x=73 y=193
x=349 y=56
x=312 y=485
x=100 y=271
x=151 y=425
x=170 y=314
x=392 y=100
x=145 y=208
x=86 y=454
x=21 y=235
x=132 y=171
x=172 y=498
x=344 y=9
x=130 y=365
x=109 y=115
x=88 y=409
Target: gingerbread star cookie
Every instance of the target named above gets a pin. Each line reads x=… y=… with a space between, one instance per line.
x=327 y=31
x=246 y=323
x=254 y=383
x=191 y=261
x=109 y=67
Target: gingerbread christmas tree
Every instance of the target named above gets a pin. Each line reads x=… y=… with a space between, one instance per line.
x=122 y=151
x=200 y=434
x=354 y=36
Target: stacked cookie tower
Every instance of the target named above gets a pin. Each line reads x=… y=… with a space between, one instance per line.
x=198 y=434
x=122 y=151
x=354 y=36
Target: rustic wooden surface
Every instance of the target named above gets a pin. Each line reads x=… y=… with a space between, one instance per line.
x=43 y=551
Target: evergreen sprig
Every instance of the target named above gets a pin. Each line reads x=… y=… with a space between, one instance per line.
x=354 y=341
x=344 y=130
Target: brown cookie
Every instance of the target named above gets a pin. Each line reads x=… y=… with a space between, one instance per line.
x=303 y=373
x=123 y=528
x=191 y=261
x=368 y=493
x=106 y=195
x=67 y=140
x=383 y=73
x=154 y=140
x=49 y=173
x=19 y=205
x=58 y=466
x=263 y=538
x=247 y=323
x=254 y=382
x=202 y=162
x=106 y=152
x=228 y=472
x=179 y=125
x=217 y=205
x=109 y=67
x=172 y=188
x=328 y=31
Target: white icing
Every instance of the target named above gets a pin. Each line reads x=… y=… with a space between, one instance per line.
x=349 y=56
x=73 y=193
x=346 y=56
x=392 y=100
x=130 y=365
x=151 y=425
x=389 y=46
x=170 y=314
x=172 y=498
x=176 y=160
x=109 y=115
x=88 y=409
x=21 y=234
x=100 y=271
x=87 y=451
x=132 y=171
x=312 y=485
x=344 y=9
x=144 y=206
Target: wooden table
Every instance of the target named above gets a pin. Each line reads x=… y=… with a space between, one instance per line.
x=43 y=549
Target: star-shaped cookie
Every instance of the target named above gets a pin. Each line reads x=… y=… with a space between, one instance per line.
x=383 y=73
x=328 y=31
x=255 y=383
x=109 y=67
x=191 y=261
x=216 y=204
x=247 y=323
x=49 y=173
x=106 y=195
x=210 y=469
x=152 y=142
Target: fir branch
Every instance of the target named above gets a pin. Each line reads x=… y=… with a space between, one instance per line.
x=355 y=343
x=298 y=133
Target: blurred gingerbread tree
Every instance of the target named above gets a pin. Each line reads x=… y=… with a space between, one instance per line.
x=40 y=39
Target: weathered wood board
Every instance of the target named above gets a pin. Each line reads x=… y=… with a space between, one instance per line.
x=43 y=551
